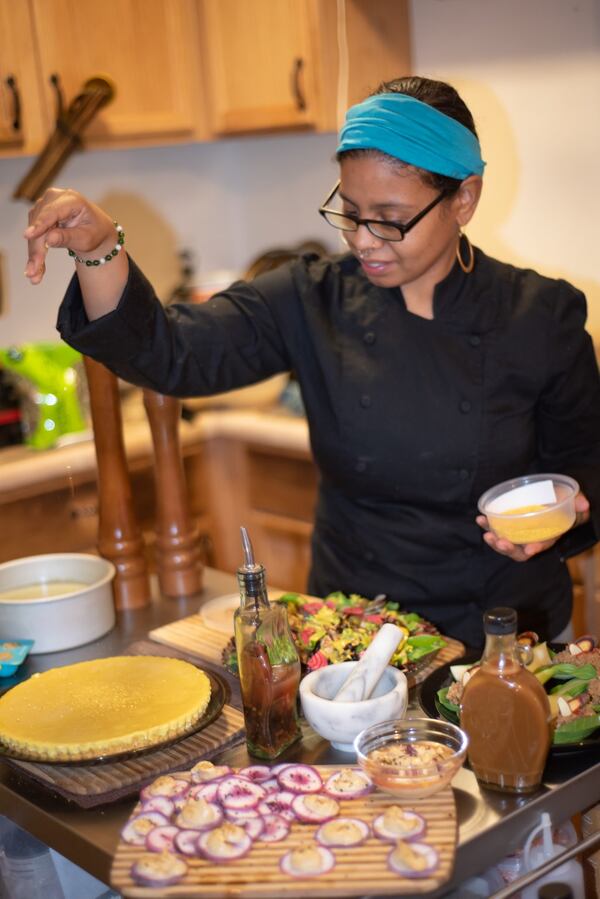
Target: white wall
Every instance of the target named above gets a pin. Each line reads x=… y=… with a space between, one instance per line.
x=226 y=201
x=530 y=72
x=529 y=69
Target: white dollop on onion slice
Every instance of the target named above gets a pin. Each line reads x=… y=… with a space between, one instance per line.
x=413 y=859
x=343 y=832
x=162 y=870
x=307 y=860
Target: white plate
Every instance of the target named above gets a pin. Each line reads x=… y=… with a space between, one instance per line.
x=217 y=613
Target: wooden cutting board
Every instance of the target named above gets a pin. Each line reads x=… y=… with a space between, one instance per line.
x=359 y=871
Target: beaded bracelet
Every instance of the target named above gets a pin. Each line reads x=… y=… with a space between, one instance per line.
x=109 y=256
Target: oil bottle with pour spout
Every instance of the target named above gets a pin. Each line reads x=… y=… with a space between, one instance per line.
x=268 y=663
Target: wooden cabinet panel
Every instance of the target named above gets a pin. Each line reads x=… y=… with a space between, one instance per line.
x=145 y=48
x=283 y=485
x=21 y=118
x=259 y=65
x=295 y=64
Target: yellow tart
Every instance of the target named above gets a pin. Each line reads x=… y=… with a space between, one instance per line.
x=103 y=707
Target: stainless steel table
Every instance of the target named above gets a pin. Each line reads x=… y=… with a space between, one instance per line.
x=491 y=825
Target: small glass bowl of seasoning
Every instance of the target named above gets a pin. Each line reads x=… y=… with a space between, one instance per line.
x=531 y=508
x=411 y=757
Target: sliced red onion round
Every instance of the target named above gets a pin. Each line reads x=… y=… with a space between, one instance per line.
x=137 y=828
x=349 y=783
x=314 y=808
x=399 y=859
x=225 y=843
x=276 y=828
x=278 y=804
x=271 y=785
x=410 y=826
x=239 y=792
x=206 y=791
x=160 y=839
x=239 y=815
x=343 y=832
x=253 y=827
x=257 y=773
x=186 y=842
x=161 y=804
x=152 y=870
x=300 y=779
x=308 y=860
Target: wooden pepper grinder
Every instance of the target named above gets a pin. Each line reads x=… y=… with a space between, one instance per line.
x=178 y=556
x=119 y=536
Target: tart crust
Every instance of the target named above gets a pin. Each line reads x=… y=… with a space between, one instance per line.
x=101 y=708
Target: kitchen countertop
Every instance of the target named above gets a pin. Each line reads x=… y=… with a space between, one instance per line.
x=23 y=467
x=491 y=825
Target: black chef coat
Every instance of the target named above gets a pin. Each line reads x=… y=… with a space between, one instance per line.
x=410 y=419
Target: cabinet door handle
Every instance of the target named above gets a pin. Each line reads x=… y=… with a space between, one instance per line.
x=11 y=83
x=60 y=101
x=297 y=84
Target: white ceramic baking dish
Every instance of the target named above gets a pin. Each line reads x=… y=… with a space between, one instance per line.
x=58 y=600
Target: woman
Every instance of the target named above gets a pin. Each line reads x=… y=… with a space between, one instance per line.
x=429 y=371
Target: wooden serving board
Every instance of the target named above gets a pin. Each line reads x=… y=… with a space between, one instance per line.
x=359 y=871
x=192 y=635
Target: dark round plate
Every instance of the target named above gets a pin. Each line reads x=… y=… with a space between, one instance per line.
x=219 y=695
x=442 y=677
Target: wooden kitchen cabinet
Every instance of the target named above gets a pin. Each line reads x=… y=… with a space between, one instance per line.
x=297 y=64
x=146 y=48
x=21 y=118
x=270 y=490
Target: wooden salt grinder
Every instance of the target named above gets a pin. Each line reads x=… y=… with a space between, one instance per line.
x=178 y=556
x=119 y=536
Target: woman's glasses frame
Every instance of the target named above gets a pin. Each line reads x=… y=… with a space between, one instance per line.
x=341 y=220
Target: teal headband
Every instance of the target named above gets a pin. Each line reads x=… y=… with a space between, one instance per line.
x=414 y=132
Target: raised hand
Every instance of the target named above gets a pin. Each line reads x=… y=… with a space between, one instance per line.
x=65 y=219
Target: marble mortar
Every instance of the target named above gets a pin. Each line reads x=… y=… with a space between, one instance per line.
x=340 y=722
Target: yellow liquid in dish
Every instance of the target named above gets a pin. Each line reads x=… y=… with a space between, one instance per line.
x=41 y=590
x=551 y=524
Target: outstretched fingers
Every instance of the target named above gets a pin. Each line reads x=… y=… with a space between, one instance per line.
x=52 y=223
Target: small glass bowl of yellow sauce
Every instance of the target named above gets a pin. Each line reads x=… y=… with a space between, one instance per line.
x=532 y=508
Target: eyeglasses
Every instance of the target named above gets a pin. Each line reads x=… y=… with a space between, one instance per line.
x=394 y=231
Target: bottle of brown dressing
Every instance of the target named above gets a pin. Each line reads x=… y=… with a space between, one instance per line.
x=505 y=712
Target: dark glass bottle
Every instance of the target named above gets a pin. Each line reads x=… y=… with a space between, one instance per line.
x=505 y=712
x=268 y=663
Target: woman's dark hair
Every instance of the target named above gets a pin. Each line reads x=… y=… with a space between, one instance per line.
x=442 y=97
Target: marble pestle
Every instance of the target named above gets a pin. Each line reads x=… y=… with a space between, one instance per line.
x=371 y=665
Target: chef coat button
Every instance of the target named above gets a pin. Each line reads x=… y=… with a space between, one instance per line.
x=360 y=466
x=365 y=400
x=369 y=338
x=369 y=555
x=474 y=340
x=463 y=474
x=465 y=406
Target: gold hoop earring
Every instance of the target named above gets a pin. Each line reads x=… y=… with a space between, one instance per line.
x=468 y=266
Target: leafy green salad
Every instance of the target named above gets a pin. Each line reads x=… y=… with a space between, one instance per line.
x=339 y=627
